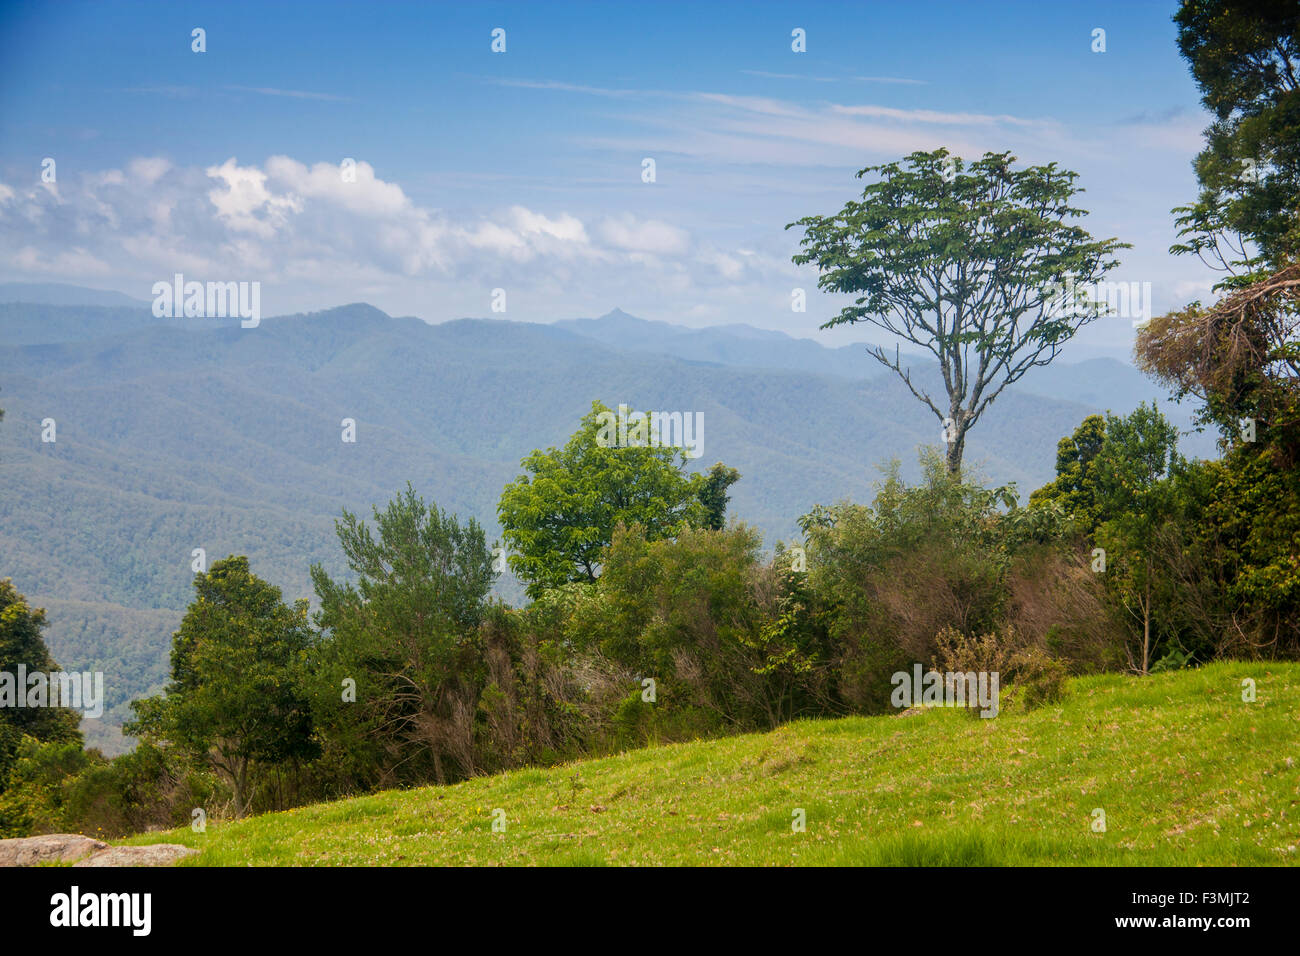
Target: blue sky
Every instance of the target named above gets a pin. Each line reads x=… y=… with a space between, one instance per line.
x=522 y=170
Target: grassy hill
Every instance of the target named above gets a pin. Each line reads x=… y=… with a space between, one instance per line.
x=1186 y=772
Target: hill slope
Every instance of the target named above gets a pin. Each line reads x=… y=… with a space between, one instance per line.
x=1186 y=772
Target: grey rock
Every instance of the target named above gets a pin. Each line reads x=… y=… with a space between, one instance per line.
x=153 y=854
x=48 y=848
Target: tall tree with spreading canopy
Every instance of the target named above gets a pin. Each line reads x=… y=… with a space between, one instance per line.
x=978 y=264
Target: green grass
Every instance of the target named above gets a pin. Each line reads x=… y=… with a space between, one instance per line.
x=1186 y=772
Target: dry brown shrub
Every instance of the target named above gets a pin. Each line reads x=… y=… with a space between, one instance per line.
x=923 y=593
x=1058 y=604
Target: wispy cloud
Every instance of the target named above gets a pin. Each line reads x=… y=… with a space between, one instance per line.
x=1153 y=117
x=899 y=80
x=567 y=87
x=906 y=81
x=185 y=92
x=1172 y=129
x=763 y=105
x=175 y=92
x=294 y=94
x=935 y=116
x=749 y=130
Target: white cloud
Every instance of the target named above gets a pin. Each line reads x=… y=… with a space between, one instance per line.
x=364 y=194
x=729 y=267
x=565 y=227
x=75 y=261
x=149 y=169
x=287 y=221
x=245 y=204
x=644 y=235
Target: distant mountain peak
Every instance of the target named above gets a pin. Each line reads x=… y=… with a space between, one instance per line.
x=617 y=317
x=61 y=293
x=621 y=323
x=352 y=312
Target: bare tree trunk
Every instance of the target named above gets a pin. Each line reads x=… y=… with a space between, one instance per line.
x=954 y=425
x=241 y=788
x=1146 y=625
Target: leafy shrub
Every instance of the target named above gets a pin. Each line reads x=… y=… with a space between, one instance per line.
x=1036 y=678
x=1028 y=675
x=1174 y=660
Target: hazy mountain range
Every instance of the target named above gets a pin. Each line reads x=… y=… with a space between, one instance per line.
x=185 y=433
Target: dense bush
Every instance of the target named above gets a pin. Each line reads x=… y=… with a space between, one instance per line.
x=728 y=638
x=898 y=582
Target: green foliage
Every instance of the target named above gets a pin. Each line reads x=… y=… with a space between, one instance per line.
x=235 y=699
x=1036 y=678
x=681 y=612
x=1075 y=486
x=537 y=704
x=147 y=788
x=558 y=518
x=1135 y=456
x=406 y=636
x=1200 y=556
x=730 y=641
x=1244 y=56
x=919 y=559
x=948 y=571
x=1233 y=552
x=714 y=497
x=1173 y=660
x=966 y=261
x=33 y=800
x=1029 y=674
x=114 y=600
x=21 y=644
x=1232 y=548
x=1134 y=503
